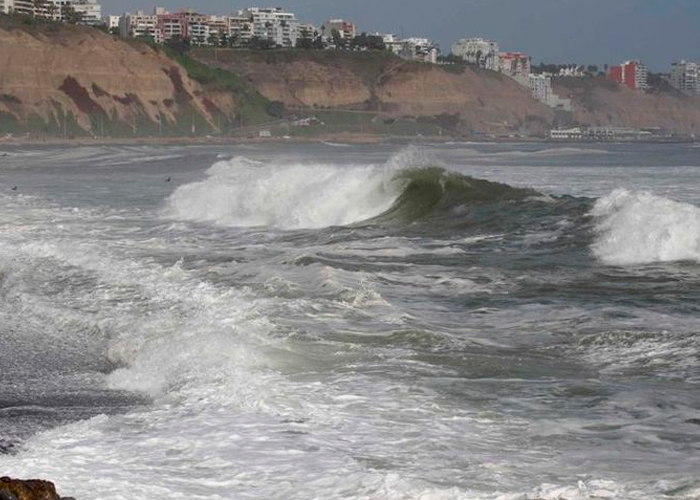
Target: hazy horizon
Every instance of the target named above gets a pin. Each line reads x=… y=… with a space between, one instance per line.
x=553 y=31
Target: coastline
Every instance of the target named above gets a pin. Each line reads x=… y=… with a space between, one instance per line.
x=359 y=139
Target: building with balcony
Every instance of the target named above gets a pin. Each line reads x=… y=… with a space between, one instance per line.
x=273 y=24
x=240 y=30
x=345 y=29
x=685 y=76
x=392 y=42
x=88 y=11
x=139 y=24
x=541 y=87
x=478 y=52
x=515 y=65
x=25 y=7
x=198 y=33
x=170 y=25
x=419 y=49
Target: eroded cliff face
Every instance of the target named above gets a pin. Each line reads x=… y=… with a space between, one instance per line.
x=61 y=80
x=599 y=102
x=60 y=77
x=481 y=100
x=484 y=100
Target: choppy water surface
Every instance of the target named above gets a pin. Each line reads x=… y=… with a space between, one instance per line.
x=352 y=322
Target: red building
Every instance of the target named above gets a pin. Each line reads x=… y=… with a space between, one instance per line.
x=171 y=25
x=633 y=74
x=615 y=73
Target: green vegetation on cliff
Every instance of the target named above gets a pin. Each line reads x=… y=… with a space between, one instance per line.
x=94 y=84
x=252 y=106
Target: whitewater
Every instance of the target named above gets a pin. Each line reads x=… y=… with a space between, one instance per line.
x=434 y=322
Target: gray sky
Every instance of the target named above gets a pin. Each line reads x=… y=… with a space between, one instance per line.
x=557 y=31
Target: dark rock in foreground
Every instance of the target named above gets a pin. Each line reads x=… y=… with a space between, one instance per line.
x=33 y=489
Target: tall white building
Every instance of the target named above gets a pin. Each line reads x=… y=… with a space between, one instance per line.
x=140 y=24
x=685 y=76
x=90 y=10
x=541 y=86
x=25 y=7
x=112 y=22
x=477 y=51
x=273 y=24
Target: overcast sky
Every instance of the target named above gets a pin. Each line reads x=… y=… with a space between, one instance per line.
x=557 y=31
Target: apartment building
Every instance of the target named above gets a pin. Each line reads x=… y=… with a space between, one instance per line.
x=198 y=32
x=307 y=31
x=112 y=22
x=240 y=30
x=632 y=74
x=516 y=65
x=419 y=49
x=89 y=11
x=140 y=24
x=171 y=25
x=345 y=29
x=273 y=24
x=25 y=7
x=392 y=42
x=479 y=52
x=685 y=76
x=541 y=87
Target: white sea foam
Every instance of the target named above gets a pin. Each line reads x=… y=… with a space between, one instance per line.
x=250 y=402
x=245 y=193
x=551 y=152
x=641 y=228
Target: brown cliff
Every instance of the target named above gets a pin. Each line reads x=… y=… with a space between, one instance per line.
x=600 y=102
x=60 y=81
x=74 y=80
x=376 y=81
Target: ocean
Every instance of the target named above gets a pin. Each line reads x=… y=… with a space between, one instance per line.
x=333 y=321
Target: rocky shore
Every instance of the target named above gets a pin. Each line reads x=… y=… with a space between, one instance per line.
x=31 y=489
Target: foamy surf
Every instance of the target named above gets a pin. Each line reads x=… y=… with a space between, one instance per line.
x=245 y=193
x=641 y=228
x=460 y=345
x=291 y=195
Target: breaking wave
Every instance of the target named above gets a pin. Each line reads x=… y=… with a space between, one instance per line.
x=433 y=189
x=641 y=228
x=245 y=193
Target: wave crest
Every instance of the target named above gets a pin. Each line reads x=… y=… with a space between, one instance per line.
x=247 y=193
x=641 y=228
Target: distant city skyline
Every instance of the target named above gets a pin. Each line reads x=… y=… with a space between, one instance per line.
x=658 y=32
